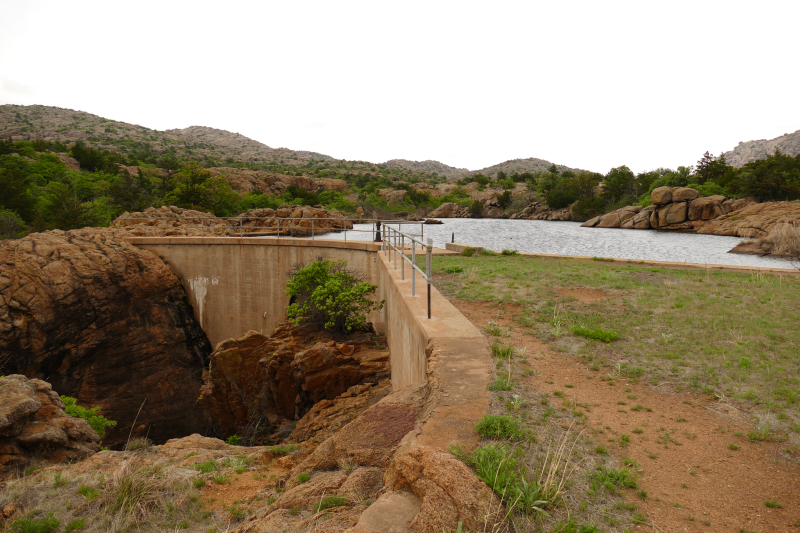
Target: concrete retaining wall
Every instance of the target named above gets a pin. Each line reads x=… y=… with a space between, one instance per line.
x=236 y=285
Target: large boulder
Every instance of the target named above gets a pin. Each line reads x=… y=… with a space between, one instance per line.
x=35 y=428
x=753 y=219
x=449 y=492
x=661 y=195
x=706 y=208
x=617 y=218
x=671 y=214
x=449 y=210
x=259 y=379
x=684 y=194
x=104 y=322
x=642 y=218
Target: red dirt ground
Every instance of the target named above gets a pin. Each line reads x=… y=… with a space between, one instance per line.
x=716 y=487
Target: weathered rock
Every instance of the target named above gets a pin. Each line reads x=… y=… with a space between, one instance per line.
x=328 y=416
x=661 y=195
x=107 y=323
x=170 y=221
x=448 y=490
x=372 y=438
x=617 y=218
x=449 y=210
x=684 y=194
x=642 y=218
x=284 y=375
x=752 y=220
x=705 y=209
x=35 y=428
x=592 y=222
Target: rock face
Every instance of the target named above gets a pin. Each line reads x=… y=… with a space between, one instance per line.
x=540 y=211
x=449 y=492
x=106 y=323
x=681 y=208
x=174 y=221
x=450 y=210
x=34 y=426
x=752 y=219
x=285 y=375
x=746 y=152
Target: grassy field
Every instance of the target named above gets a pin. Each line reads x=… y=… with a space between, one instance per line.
x=729 y=335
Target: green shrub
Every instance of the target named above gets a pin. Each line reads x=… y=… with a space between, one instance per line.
x=233 y=440
x=99 y=423
x=504 y=351
x=40 y=525
x=328 y=294
x=468 y=251
x=605 y=335
x=208 y=466
x=453 y=269
x=75 y=525
x=509 y=252
x=611 y=479
x=302 y=478
x=283 y=449
x=500 y=427
x=88 y=492
x=330 y=501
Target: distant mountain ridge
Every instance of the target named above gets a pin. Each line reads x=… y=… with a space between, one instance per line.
x=69 y=126
x=745 y=152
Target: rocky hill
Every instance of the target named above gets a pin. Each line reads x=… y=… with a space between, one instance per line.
x=196 y=142
x=745 y=152
x=519 y=166
x=428 y=166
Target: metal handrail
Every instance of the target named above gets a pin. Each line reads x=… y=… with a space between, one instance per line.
x=390 y=242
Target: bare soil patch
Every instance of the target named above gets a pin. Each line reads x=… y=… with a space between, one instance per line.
x=585 y=295
x=696 y=463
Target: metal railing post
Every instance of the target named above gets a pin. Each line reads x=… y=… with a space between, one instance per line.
x=428 y=255
x=413 y=269
x=403 y=257
x=394 y=245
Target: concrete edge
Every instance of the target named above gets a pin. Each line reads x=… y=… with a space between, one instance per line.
x=255 y=241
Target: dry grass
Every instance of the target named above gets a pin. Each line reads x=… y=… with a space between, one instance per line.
x=134 y=497
x=722 y=333
x=783 y=239
x=559 y=460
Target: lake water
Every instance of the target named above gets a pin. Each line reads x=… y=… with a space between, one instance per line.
x=568 y=238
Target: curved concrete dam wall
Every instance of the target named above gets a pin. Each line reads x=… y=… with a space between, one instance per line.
x=236 y=285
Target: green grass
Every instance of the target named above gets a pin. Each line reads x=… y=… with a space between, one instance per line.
x=302 y=478
x=502 y=427
x=773 y=504
x=611 y=479
x=208 y=466
x=38 y=525
x=605 y=335
x=328 y=502
x=283 y=449
x=712 y=331
x=503 y=351
x=75 y=525
x=88 y=492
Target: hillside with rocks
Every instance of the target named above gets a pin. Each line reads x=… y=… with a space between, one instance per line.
x=746 y=152
x=520 y=166
x=428 y=166
x=195 y=142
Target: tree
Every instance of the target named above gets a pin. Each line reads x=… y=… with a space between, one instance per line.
x=65 y=210
x=15 y=186
x=130 y=193
x=11 y=225
x=326 y=293
x=189 y=190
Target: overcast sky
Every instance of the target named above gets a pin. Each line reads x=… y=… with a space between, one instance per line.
x=586 y=84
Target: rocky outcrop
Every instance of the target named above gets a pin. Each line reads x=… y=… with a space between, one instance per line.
x=290 y=220
x=540 y=211
x=672 y=208
x=104 y=322
x=450 y=210
x=745 y=152
x=449 y=492
x=35 y=428
x=752 y=219
x=283 y=376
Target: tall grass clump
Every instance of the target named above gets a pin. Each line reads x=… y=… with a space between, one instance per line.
x=502 y=427
x=783 y=239
x=605 y=335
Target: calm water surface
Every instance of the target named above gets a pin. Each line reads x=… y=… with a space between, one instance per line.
x=568 y=238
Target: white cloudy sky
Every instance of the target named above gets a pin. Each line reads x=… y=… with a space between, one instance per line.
x=588 y=84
